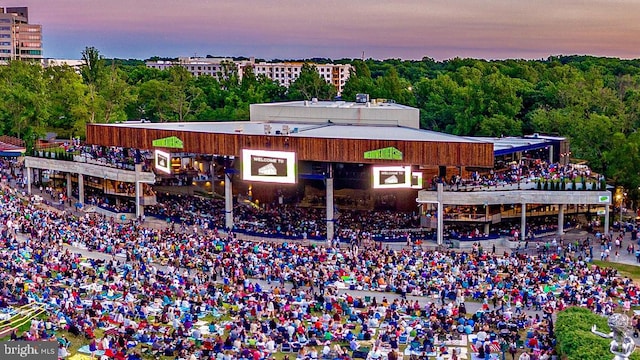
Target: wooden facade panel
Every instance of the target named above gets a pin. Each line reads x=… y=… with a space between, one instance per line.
x=307 y=148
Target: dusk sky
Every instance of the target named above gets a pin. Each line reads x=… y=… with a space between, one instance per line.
x=408 y=29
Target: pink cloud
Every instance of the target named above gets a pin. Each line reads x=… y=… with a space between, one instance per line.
x=405 y=28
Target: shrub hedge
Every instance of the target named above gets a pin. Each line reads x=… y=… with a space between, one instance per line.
x=575 y=341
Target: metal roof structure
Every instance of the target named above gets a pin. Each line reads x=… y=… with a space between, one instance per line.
x=510 y=145
x=328 y=130
x=341 y=105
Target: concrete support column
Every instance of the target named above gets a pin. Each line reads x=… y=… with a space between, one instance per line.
x=81 y=189
x=29 y=180
x=139 y=210
x=68 y=185
x=606 y=218
x=550 y=154
x=440 y=214
x=330 y=214
x=228 y=202
x=330 y=204
x=561 y=219
x=139 y=192
x=487 y=216
x=523 y=222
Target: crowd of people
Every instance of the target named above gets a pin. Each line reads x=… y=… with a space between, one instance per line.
x=291 y=221
x=280 y=220
x=191 y=290
x=524 y=171
x=114 y=156
x=153 y=292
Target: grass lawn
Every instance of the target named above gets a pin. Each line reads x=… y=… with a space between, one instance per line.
x=79 y=341
x=631 y=271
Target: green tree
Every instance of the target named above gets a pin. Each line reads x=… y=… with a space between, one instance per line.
x=310 y=85
x=228 y=75
x=632 y=108
x=489 y=99
x=136 y=75
x=623 y=160
x=272 y=90
x=115 y=94
x=154 y=98
x=359 y=82
x=499 y=125
x=391 y=86
x=185 y=93
x=211 y=89
x=68 y=112
x=440 y=101
x=249 y=79
x=592 y=137
x=24 y=103
x=93 y=65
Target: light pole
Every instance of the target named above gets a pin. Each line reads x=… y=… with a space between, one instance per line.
x=621 y=196
x=621 y=215
x=624 y=196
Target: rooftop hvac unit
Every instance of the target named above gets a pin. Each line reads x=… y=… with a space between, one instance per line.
x=362 y=98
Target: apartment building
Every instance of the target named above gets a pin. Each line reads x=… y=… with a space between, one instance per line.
x=284 y=73
x=203 y=66
x=19 y=40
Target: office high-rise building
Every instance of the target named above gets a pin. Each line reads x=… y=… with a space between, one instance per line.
x=19 y=40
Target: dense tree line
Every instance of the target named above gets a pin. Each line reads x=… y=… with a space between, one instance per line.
x=62 y=99
x=595 y=102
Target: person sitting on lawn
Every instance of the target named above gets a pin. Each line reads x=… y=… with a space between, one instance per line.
x=353 y=344
x=62 y=352
x=88 y=333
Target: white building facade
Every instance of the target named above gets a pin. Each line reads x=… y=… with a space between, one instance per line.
x=285 y=73
x=75 y=64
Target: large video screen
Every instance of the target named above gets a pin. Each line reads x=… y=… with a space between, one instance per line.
x=163 y=161
x=269 y=166
x=416 y=180
x=391 y=177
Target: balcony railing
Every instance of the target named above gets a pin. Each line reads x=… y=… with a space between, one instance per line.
x=82 y=158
